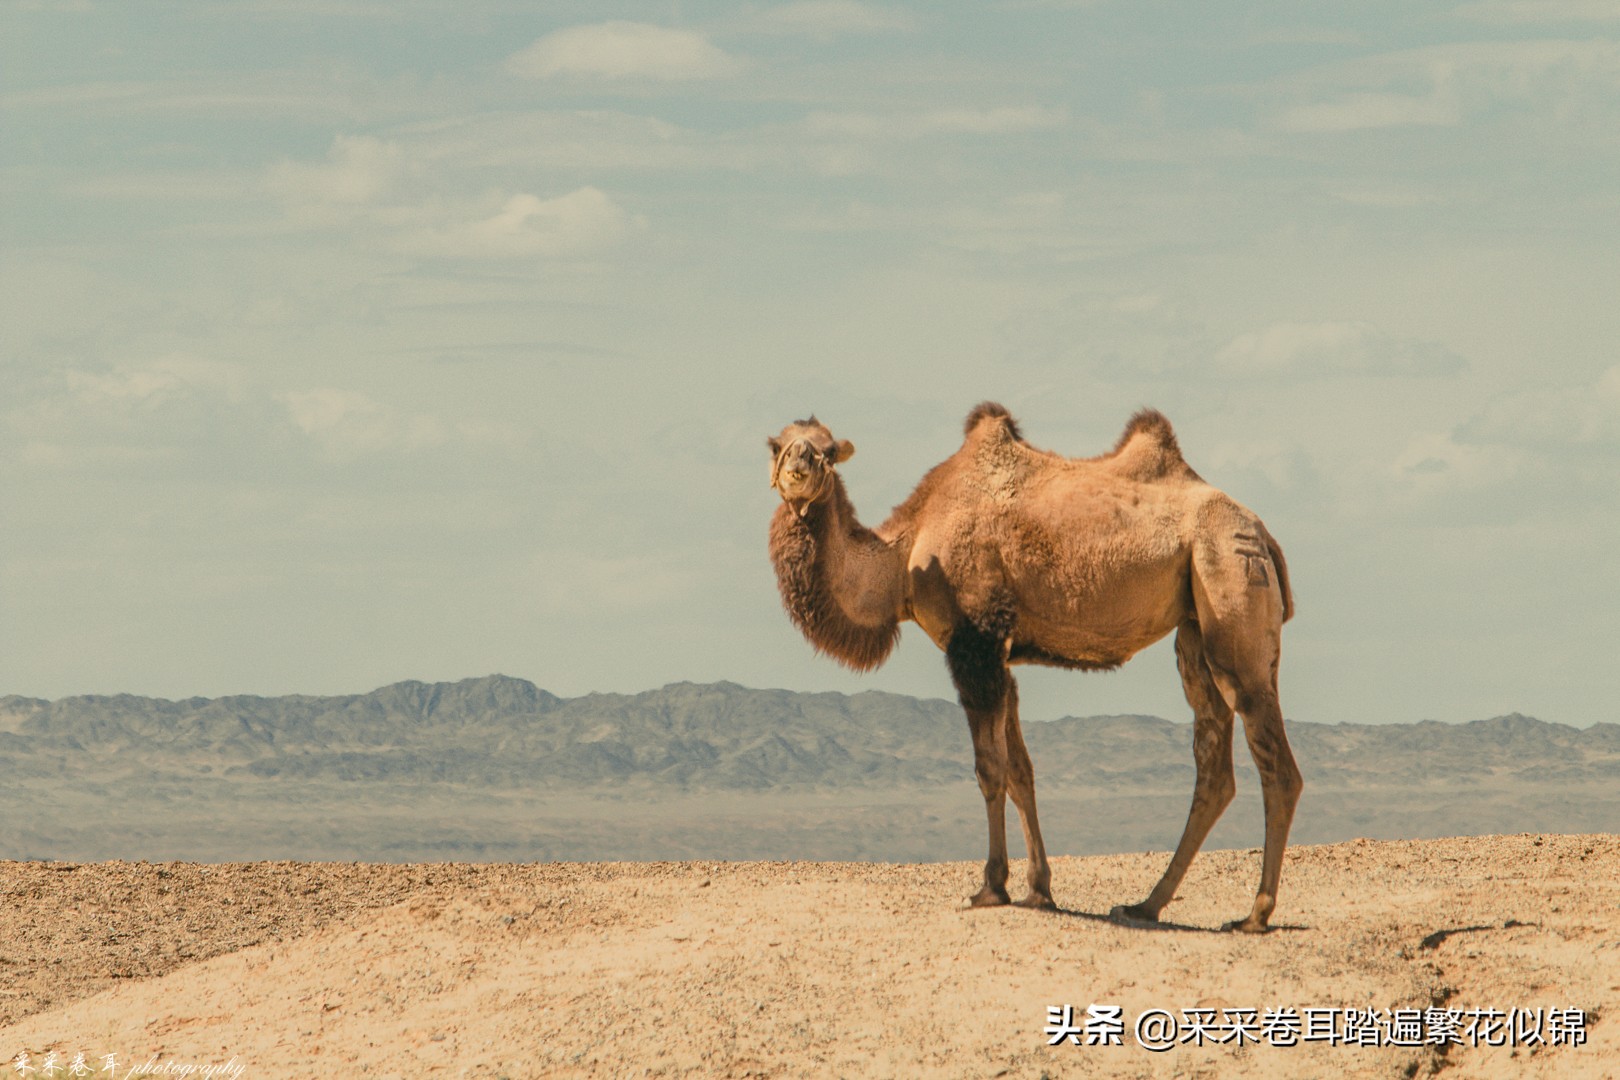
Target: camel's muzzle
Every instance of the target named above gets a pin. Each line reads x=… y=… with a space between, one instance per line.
x=806 y=460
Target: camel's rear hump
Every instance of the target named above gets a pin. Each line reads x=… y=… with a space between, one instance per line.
x=1147 y=449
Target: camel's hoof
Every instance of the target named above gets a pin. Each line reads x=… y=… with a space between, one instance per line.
x=1251 y=925
x=1038 y=902
x=1134 y=913
x=988 y=897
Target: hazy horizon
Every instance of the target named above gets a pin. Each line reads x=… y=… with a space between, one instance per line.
x=349 y=343
x=650 y=691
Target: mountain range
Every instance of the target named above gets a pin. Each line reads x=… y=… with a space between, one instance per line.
x=499 y=768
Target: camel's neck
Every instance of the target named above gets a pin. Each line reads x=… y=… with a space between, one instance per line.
x=841 y=583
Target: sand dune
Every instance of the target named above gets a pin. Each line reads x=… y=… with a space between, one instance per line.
x=834 y=969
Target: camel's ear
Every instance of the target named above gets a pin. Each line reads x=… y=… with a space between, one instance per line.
x=846 y=450
x=775 y=444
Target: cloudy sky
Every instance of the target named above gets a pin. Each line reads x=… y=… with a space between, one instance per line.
x=344 y=342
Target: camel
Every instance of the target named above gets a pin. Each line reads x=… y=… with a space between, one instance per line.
x=1007 y=554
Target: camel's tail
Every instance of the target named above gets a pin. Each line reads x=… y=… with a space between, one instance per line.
x=1275 y=550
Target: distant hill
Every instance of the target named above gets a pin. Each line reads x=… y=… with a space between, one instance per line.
x=497 y=767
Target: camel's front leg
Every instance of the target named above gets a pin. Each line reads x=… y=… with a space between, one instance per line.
x=992 y=782
x=1021 y=786
x=978 y=667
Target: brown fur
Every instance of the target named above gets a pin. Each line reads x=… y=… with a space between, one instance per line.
x=1006 y=554
x=1152 y=423
x=990 y=410
x=801 y=577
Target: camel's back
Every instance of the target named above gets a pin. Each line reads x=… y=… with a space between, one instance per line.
x=996 y=476
x=997 y=486
x=1096 y=553
x=994 y=451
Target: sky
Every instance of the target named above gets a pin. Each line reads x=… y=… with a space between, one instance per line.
x=348 y=342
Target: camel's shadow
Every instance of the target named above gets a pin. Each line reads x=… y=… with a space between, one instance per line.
x=1162 y=925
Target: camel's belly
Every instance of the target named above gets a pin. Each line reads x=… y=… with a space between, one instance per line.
x=1100 y=619
x=1106 y=619
x=1038 y=643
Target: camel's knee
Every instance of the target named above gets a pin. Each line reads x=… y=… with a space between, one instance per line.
x=1273 y=756
x=1281 y=791
x=1268 y=746
x=1216 y=785
x=1216 y=792
x=1020 y=771
x=1290 y=784
x=992 y=778
x=1259 y=705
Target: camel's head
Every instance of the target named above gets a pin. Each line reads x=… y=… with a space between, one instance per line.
x=802 y=460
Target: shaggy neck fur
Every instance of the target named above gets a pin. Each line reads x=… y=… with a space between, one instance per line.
x=841 y=584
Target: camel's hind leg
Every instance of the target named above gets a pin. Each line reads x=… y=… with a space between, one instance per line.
x=1212 y=752
x=1238 y=594
x=1280 y=784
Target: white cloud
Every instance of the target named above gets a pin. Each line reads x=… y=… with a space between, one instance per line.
x=76 y=94
x=348 y=424
x=199 y=413
x=582 y=222
x=1569 y=416
x=1353 y=112
x=1444 y=85
x=961 y=121
x=1528 y=11
x=129 y=413
x=1284 y=466
x=185 y=186
x=1434 y=463
x=1043 y=4
x=287 y=92
x=358 y=187
x=831 y=18
x=1387 y=196
x=623 y=50
x=154 y=383
x=575 y=583
x=358 y=170
x=1331 y=348
x=558 y=139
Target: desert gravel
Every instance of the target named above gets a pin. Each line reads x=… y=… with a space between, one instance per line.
x=797 y=969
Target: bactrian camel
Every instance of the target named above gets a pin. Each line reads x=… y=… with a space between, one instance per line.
x=1006 y=554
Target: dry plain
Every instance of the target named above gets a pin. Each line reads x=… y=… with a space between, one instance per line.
x=802 y=969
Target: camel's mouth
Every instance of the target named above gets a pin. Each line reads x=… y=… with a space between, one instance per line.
x=793 y=477
x=805 y=484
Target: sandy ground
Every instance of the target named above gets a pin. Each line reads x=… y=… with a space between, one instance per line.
x=807 y=969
